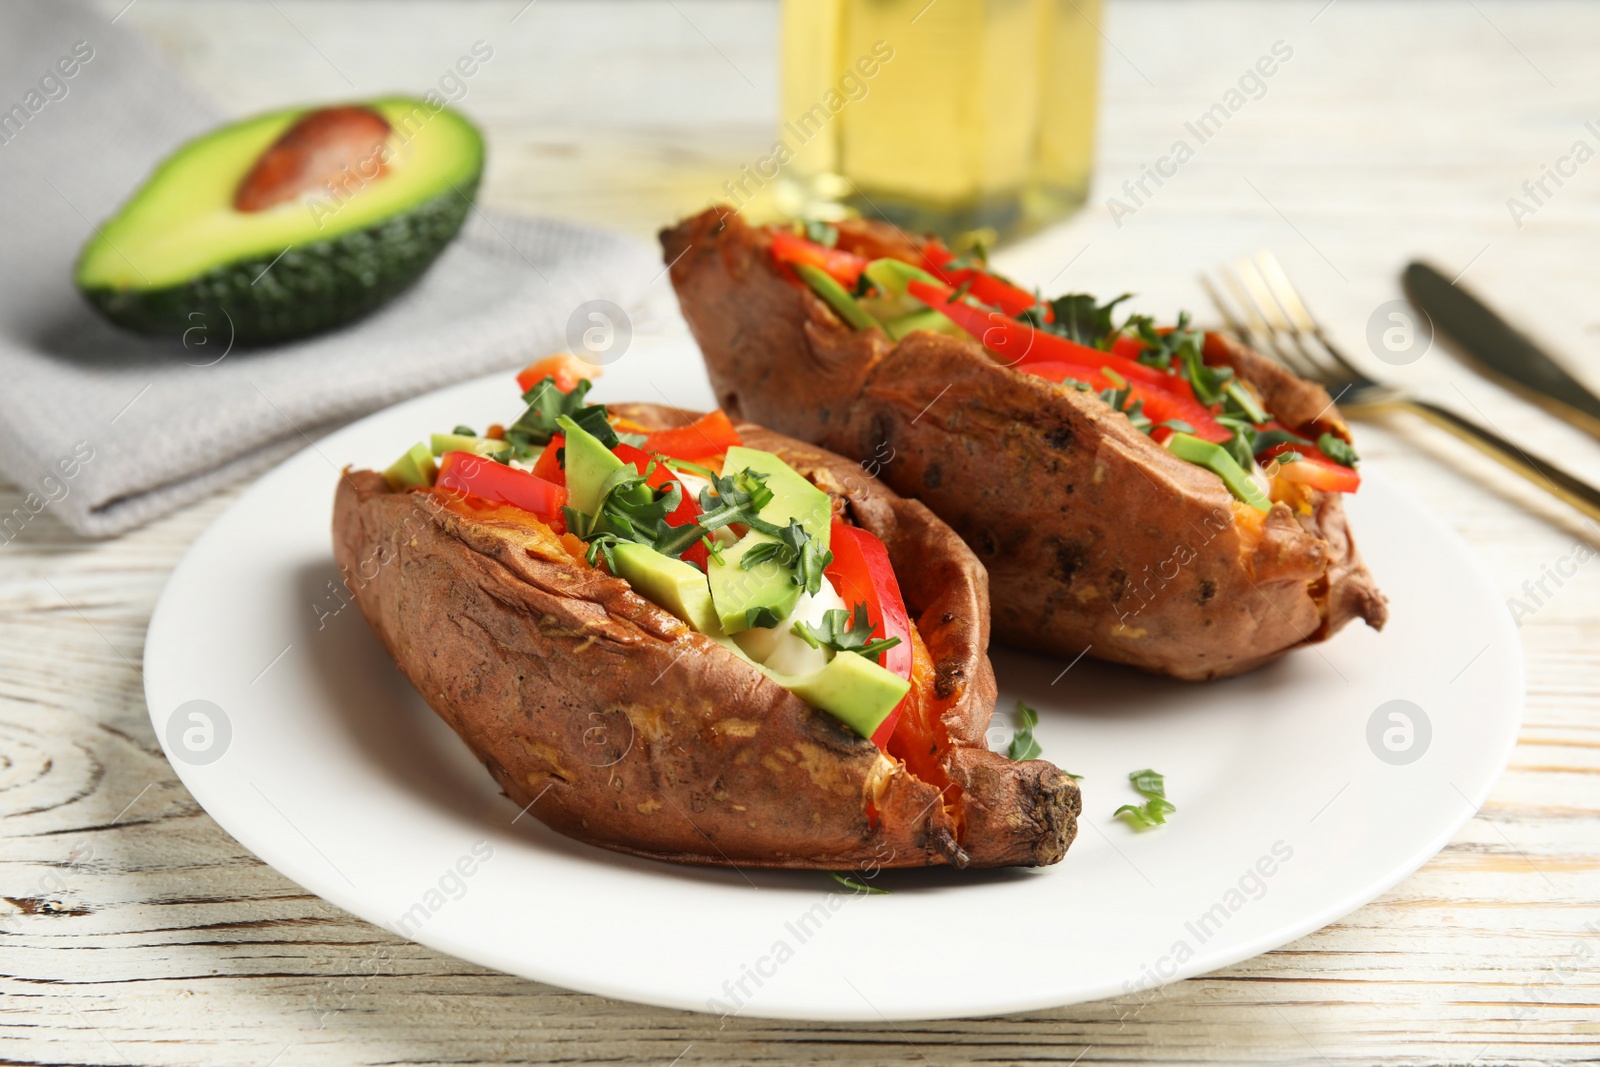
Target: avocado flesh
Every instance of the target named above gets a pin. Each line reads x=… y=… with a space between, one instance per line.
x=762 y=595
x=460 y=442
x=766 y=593
x=669 y=583
x=793 y=497
x=851 y=688
x=179 y=255
x=588 y=463
x=415 y=468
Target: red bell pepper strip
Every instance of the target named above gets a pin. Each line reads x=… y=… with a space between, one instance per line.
x=862 y=574
x=1020 y=345
x=688 y=509
x=1313 y=469
x=464 y=472
x=996 y=291
x=844 y=267
x=1159 y=406
x=568 y=370
x=935 y=255
x=709 y=435
x=548 y=466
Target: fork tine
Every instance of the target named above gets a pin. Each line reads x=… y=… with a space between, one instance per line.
x=1269 y=341
x=1226 y=310
x=1319 y=367
x=1289 y=298
x=1278 y=283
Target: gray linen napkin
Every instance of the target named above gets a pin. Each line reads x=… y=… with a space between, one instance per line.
x=163 y=424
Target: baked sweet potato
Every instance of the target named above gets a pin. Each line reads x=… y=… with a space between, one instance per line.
x=618 y=725
x=1094 y=536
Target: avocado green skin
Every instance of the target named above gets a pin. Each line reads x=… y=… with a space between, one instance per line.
x=311 y=288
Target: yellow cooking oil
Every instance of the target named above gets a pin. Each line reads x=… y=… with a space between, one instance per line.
x=959 y=117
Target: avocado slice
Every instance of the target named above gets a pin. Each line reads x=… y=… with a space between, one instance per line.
x=926 y=319
x=793 y=497
x=894 y=275
x=671 y=583
x=460 y=442
x=415 y=468
x=588 y=464
x=764 y=595
x=181 y=252
x=851 y=688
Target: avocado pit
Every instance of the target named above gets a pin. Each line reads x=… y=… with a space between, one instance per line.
x=336 y=147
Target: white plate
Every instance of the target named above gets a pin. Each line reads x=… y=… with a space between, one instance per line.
x=326 y=763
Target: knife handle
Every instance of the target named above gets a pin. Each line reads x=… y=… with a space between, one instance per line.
x=1547 y=476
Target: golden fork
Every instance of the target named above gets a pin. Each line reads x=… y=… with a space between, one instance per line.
x=1266 y=312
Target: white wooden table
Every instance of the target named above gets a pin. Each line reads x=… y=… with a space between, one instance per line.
x=137 y=931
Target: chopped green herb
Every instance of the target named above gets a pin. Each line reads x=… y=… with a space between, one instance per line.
x=824 y=233
x=693 y=468
x=1023 y=744
x=546 y=404
x=1155 y=809
x=1150 y=783
x=1242 y=403
x=844 y=633
x=1151 y=813
x=860 y=887
x=1338 y=450
x=465 y=431
x=1078 y=317
x=1266 y=439
x=794 y=548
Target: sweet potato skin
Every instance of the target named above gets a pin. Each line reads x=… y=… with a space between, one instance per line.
x=1095 y=538
x=616 y=724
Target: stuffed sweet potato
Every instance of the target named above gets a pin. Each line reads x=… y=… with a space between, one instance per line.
x=1156 y=497
x=617 y=723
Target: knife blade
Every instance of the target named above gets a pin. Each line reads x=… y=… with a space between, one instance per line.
x=1501 y=348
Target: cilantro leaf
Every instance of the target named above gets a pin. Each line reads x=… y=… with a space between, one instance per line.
x=844 y=633
x=1023 y=744
x=796 y=548
x=546 y=404
x=1079 y=317
x=630 y=509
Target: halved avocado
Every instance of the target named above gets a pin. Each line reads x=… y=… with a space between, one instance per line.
x=182 y=252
